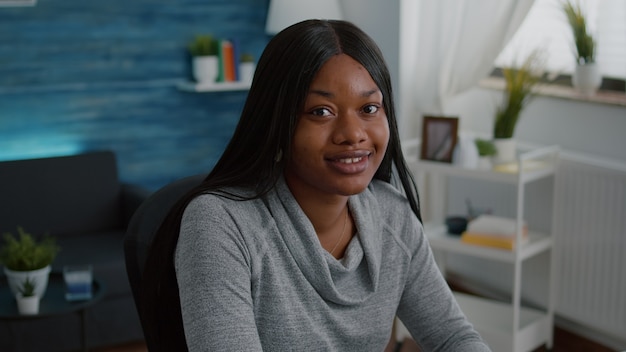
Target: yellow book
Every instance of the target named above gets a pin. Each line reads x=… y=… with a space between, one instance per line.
x=493 y=231
x=497 y=241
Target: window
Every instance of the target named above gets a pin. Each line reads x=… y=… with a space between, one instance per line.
x=546 y=28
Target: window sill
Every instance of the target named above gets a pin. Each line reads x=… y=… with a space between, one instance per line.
x=605 y=97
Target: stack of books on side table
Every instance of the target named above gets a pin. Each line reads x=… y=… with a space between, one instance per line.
x=493 y=231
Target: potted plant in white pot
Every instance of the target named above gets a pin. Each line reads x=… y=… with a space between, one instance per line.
x=246 y=67
x=486 y=150
x=24 y=258
x=520 y=82
x=586 y=77
x=27 y=300
x=204 y=58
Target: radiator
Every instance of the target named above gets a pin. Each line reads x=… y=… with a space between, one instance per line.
x=590 y=244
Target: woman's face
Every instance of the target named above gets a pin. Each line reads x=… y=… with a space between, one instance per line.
x=342 y=133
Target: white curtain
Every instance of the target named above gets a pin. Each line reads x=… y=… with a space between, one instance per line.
x=456 y=43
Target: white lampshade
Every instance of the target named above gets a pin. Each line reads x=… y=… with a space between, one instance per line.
x=283 y=13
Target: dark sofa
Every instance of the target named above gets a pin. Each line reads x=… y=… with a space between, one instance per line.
x=80 y=201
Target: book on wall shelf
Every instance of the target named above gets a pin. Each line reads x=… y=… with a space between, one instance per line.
x=494 y=231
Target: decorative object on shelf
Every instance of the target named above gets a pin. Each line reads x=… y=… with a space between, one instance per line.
x=24 y=257
x=205 y=63
x=486 y=150
x=520 y=82
x=439 y=137
x=586 y=77
x=27 y=300
x=283 y=13
x=465 y=153
x=456 y=225
x=246 y=67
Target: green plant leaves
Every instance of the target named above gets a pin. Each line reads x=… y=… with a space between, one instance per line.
x=24 y=253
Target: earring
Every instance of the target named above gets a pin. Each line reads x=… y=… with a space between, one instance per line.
x=279 y=156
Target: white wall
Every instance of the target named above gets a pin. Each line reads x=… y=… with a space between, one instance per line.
x=380 y=20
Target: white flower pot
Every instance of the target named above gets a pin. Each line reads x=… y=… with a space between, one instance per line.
x=27 y=305
x=39 y=277
x=246 y=71
x=587 y=78
x=205 y=68
x=506 y=150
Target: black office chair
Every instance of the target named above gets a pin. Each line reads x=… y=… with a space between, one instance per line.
x=141 y=231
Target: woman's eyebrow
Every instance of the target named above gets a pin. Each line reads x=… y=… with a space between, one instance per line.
x=327 y=94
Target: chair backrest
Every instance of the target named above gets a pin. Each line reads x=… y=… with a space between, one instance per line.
x=144 y=225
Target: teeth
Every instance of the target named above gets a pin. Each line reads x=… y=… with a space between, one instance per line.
x=350 y=160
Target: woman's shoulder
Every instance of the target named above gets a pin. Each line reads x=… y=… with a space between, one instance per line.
x=393 y=208
x=225 y=201
x=388 y=194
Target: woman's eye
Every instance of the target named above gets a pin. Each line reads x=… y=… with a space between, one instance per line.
x=321 y=112
x=370 y=109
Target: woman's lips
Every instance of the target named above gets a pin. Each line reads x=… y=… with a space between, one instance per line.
x=350 y=163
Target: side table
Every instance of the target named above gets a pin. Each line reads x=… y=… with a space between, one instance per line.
x=53 y=303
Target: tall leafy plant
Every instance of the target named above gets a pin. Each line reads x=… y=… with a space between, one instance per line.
x=520 y=82
x=25 y=253
x=585 y=44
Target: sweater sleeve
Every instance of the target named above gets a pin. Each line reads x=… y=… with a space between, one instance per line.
x=428 y=308
x=213 y=272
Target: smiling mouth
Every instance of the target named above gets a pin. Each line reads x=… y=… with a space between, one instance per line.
x=350 y=160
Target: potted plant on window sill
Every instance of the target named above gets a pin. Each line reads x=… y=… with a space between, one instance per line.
x=27 y=300
x=520 y=82
x=204 y=59
x=24 y=258
x=586 y=77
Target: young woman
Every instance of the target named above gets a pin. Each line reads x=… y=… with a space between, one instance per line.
x=297 y=240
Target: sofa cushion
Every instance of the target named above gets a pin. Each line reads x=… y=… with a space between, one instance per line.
x=61 y=195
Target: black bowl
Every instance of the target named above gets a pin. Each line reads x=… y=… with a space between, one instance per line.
x=456 y=224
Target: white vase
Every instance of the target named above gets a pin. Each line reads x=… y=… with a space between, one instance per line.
x=246 y=71
x=465 y=153
x=39 y=277
x=205 y=68
x=587 y=78
x=27 y=305
x=506 y=150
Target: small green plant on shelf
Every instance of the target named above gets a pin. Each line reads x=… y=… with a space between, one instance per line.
x=246 y=57
x=27 y=289
x=485 y=147
x=25 y=253
x=203 y=45
x=585 y=44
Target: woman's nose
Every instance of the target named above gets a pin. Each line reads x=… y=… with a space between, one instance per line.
x=349 y=129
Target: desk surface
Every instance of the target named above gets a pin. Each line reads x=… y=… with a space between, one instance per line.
x=52 y=303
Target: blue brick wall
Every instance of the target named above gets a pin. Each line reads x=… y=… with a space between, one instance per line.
x=81 y=75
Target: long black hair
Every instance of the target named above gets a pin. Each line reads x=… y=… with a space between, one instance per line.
x=279 y=88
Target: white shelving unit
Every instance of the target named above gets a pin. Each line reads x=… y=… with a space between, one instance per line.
x=194 y=87
x=507 y=326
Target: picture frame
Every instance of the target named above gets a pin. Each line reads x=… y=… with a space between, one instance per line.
x=439 y=138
